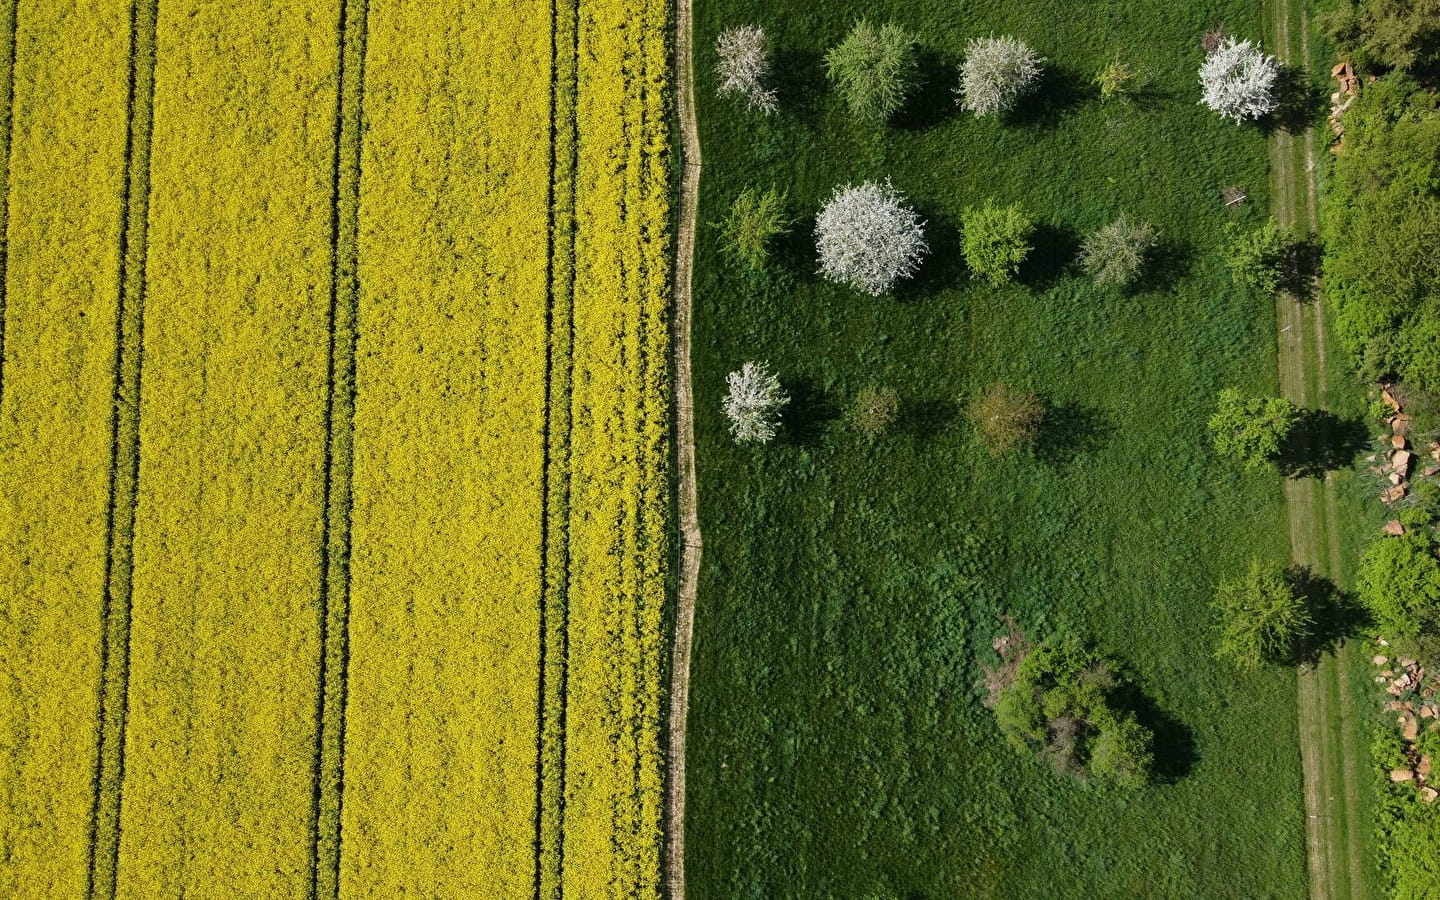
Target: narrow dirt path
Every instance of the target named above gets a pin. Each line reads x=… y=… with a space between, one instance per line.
x=685 y=450
x=1330 y=763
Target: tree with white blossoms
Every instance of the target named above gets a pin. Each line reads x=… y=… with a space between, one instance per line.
x=998 y=71
x=1240 y=81
x=868 y=238
x=753 y=403
x=744 y=67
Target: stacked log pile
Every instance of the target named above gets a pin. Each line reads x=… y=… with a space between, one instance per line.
x=1413 y=697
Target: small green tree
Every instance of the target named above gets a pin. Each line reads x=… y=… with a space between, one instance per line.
x=1117 y=81
x=1115 y=254
x=756 y=218
x=1263 y=618
x=874 y=69
x=1252 y=430
x=1257 y=256
x=1005 y=418
x=995 y=240
x=875 y=409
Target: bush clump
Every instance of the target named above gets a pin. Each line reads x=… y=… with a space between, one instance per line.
x=995 y=240
x=997 y=72
x=1063 y=703
x=753 y=403
x=1252 y=430
x=874 y=410
x=1006 y=419
x=1115 y=254
x=1257 y=256
x=1240 y=81
x=875 y=69
x=744 y=67
x=868 y=238
x=756 y=219
x=1263 y=616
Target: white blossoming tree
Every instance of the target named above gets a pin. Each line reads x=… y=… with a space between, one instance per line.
x=868 y=238
x=753 y=403
x=998 y=71
x=744 y=67
x=1240 y=81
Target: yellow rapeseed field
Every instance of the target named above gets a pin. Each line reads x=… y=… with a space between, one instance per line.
x=440 y=752
x=619 y=498
x=334 y=482
x=224 y=642
x=66 y=170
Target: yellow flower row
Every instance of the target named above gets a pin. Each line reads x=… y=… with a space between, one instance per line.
x=440 y=752
x=224 y=642
x=66 y=171
x=618 y=529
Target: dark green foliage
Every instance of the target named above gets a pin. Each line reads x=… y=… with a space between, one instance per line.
x=1384 y=34
x=874 y=69
x=1411 y=827
x=996 y=240
x=1399 y=584
x=1382 y=227
x=1257 y=256
x=1251 y=430
x=837 y=740
x=1062 y=703
x=1263 y=618
x=756 y=219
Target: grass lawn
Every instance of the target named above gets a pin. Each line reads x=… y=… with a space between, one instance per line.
x=850 y=591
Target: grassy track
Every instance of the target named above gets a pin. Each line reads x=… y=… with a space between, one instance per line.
x=339 y=447
x=124 y=455
x=559 y=371
x=66 y=175
x=1331 y=752
x=445 y=585
x=225 y=641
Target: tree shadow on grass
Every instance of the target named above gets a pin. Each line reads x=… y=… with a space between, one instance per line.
x=1053 y=249
x=943 y=267
x=1300 y=102
x=1322 y=442
x=1166 y=263
x=1059 y=93
x=808 y=415
x=1301 y=270
x=1174 y=746
x=1335 y=615
x=799 y=77
x=934 y=100
x=926 y=419
x=1069 y=431
x=794 y=251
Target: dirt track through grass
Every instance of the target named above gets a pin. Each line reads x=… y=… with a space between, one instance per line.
x=125 y=457
x=1334 y=828
x=689 y=524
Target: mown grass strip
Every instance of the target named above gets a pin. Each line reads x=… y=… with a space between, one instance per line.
x=445 y=582
x=9 y=20
x=220 y=733
x=124 y=455
x=339 y=449
x=65 y=220
x=559 y=368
